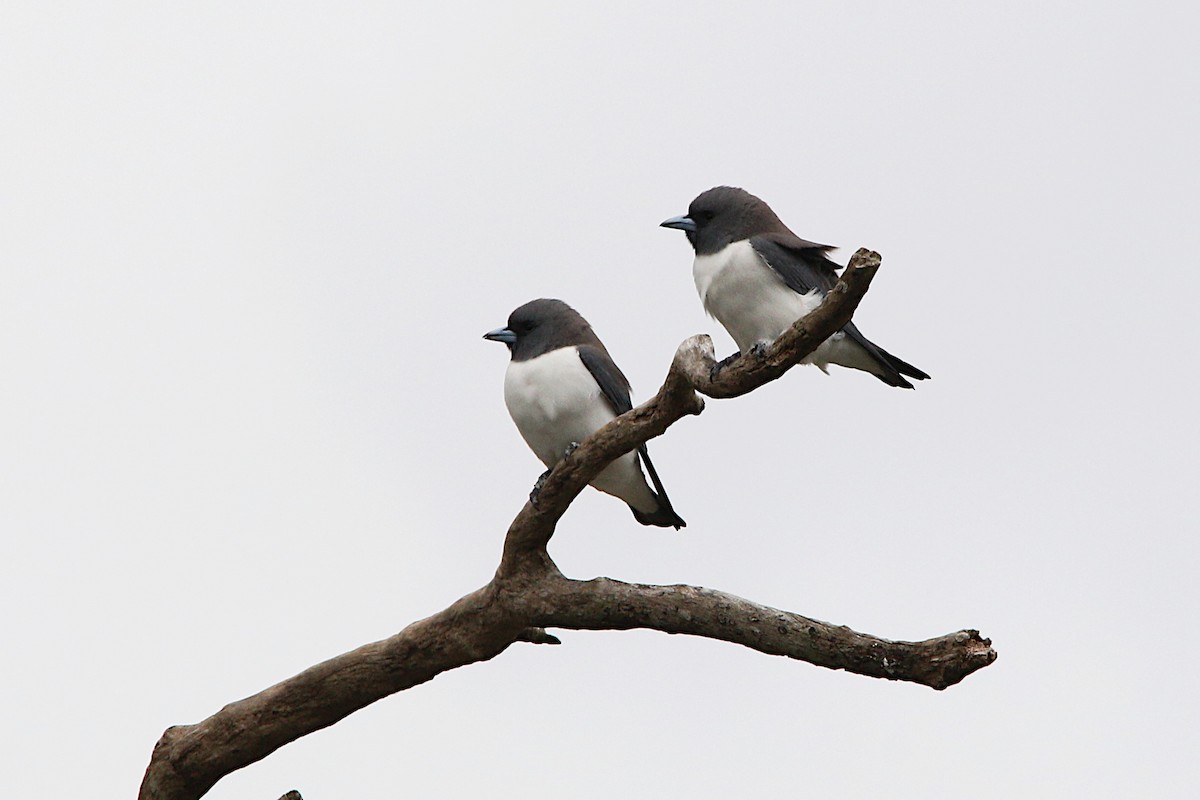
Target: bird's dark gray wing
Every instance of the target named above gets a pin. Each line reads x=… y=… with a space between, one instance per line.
x=802 y=264
x=615 y=387
x=611 y=380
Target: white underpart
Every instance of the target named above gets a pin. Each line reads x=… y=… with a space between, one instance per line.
x=554 y=401
x=741 y=291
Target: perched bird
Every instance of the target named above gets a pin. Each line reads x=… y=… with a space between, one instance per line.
x=562 y=385
x=757 y=278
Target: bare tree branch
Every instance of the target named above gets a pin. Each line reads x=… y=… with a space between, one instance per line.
x=693 y=369
x=529 y=594
x=604 y=604
x=189 y=759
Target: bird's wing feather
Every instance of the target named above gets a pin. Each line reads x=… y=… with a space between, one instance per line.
x=615 y=387
x=608 y=376
x=802 y=264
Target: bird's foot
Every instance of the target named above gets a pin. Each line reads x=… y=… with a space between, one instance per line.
x=541 y=481
x=759 y=350
x=537 y=488
x=716 y=368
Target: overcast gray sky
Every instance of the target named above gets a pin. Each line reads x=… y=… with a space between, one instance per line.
x=247 y=252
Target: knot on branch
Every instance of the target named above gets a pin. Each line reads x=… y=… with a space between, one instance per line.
x=965 y=652
x=537 y=636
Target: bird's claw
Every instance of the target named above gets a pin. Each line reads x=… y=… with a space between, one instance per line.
x=541 y=481
x=537 y=488
x=716 y=368
x=759 y=350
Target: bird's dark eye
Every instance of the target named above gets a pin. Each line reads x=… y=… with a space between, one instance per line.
x=707 y=215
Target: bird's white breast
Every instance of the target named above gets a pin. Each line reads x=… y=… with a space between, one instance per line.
x=554 y=400
x=746 y=296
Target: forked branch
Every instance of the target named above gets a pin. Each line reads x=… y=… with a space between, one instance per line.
x=528 y=593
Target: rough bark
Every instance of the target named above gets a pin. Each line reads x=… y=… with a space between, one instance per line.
x=528 y=593
x=604 y=604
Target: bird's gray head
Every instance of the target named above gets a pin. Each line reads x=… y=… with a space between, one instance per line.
x=541 y=326
x=723 y=215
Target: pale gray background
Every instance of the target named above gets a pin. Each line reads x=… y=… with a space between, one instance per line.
x=247 y=255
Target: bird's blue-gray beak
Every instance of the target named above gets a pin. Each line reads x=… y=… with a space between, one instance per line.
x=680 y=223
x=502 y=335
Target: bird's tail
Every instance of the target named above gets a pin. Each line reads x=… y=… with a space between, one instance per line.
x=903 y=367
x=664 y=516
x=883 y=365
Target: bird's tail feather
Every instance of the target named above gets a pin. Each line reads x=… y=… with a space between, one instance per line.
x=893 y=378
x=903 y=367
x=665 y=516
x=891 y=369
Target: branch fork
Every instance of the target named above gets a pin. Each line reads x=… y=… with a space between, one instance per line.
x=529 y=594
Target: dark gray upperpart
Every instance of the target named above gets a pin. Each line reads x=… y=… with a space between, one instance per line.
x=542 y=326
x=545 y=325
x=726 y=214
